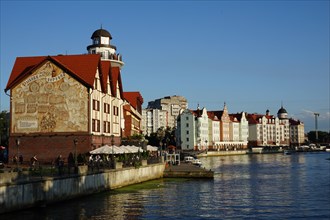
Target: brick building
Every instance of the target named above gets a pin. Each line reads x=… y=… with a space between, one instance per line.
x=67 y=103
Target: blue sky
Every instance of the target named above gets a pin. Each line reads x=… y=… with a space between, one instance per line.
x=253 y=55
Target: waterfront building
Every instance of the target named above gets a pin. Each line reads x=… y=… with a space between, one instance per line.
x=186 y=130
x=202 y=129
x=212 y=130
x=132 y=113
x=297 y=132
x=153 y=119
x=68 y=103
x=269 y=130
x=163 y=113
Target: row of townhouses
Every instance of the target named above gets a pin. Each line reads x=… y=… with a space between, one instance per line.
x=218 y=130
x=71 y=103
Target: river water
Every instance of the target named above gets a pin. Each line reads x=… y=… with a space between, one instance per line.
x=262 y=186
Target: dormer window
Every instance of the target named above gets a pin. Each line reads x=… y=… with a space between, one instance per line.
x=96 y=41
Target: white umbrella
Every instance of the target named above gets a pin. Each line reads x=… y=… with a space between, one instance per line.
x=151 y=148
x=106 y=149
x=132 y=149
x=127 y=149
x=118 y=150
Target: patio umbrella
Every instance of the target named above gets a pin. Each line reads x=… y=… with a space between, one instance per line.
x=151 y=148
x=106 y=149
x=126 y=149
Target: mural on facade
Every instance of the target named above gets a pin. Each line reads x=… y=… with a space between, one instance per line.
x=49 y=100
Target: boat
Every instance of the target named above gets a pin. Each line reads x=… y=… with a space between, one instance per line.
x=197 y=162
x=287 y=152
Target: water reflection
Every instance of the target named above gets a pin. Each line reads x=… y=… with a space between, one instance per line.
x=245 y=186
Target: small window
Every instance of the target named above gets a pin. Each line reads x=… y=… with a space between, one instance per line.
x=115 y=110
x=96 y=105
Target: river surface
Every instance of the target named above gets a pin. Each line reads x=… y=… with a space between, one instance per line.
x=262 y=186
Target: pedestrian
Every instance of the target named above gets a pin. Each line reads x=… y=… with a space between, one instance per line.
x=15 y=159
x=21 y=159
x=71 y=162
x=59 y=163
x=33 y=161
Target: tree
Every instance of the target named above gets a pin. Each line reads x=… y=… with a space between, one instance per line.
x=165 y=136
x=135 y=139
x=4 y=128
x=323 y=137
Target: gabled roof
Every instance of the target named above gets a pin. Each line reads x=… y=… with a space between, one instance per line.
x=254 y=118
x=114 y=79
x=295 y=122
x=212 y=116
x=134 y=98
x=238 y=116
x=81 y=67
x=104 y=74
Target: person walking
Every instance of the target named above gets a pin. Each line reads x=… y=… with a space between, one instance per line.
x=60 y=164
x=33 y=161
x=20 y=159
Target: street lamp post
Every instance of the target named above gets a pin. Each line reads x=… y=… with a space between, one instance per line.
x=75 y=141
x=161 y=147
x=112 y=155
x=18 y=142
x=206 y=146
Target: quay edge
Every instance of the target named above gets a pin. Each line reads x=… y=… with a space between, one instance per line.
x=28 y=193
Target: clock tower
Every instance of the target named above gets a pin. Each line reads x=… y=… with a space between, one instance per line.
x=101 y=45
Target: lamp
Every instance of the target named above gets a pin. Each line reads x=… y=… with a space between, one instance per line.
x=18 y=142
x=75 y=142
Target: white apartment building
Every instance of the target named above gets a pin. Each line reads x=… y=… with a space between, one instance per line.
x=202 y=130
x=297 y=132
x=268 y=130
x=152 y=120
x=186 y=130
x=162 y=113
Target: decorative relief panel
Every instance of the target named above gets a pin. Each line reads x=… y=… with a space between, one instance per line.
x=49 y=100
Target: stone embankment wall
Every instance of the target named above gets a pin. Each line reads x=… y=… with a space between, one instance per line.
x=19 y=191
x=222 y=153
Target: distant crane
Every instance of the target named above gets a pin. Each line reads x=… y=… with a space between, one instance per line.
x=316 y=133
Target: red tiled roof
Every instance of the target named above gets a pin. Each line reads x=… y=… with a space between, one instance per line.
x=218 y=114
x=22 y=65
x=212 y=116
x=254 y=118
x=114 y=78
x=238 y=116
x=104 y=74
x=134 y=98
x=81 y=67
x=294 y=121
